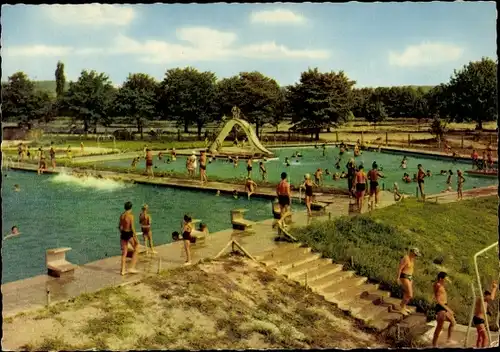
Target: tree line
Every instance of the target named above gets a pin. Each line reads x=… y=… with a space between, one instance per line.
x=319 y=101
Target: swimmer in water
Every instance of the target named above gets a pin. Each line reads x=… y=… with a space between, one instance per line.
x=406 y=178
x=429 y=173
x=337 y=164
x=16 y=188
x=318 y=177
x=14 y=231
x=160 y=156
x=236 y=161
x=327 y=172
x=235 y=194
x=217 y=194
x=324 y=149
x=250 y=187
x=287 y=162
x=173 y=154
x=443 y=172
x=263 y=171
x=336 y=176
x=404 y=163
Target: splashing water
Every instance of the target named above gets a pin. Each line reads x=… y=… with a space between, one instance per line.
x=89 y=182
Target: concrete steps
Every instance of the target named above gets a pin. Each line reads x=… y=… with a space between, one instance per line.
x=351 y=293
x=291 y=262
x=303 y=269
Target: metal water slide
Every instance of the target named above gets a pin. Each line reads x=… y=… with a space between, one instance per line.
x=249 y=131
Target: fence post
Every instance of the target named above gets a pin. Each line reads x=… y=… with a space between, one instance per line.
x=491 y=139
x=386 y=139
x=159 y=265
x=48 y=297
x=337 y=136
x=362 y=139
x=462 y=145
x=409 y=138
x=439 y=142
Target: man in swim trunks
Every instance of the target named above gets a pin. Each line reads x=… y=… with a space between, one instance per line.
x=405 y=277
x=474 y=156
x=420 y=180
x=373 y=176
x=145 y=221
x=249 y=166
x=360 y=186
x=52 y=154
x=149 y=162
x=479 y=319
x=128 y=234
x=284 y=194
x=203 y=167
x=42 y=165
x=263 y=171
x=443 y=312
x=250 y=187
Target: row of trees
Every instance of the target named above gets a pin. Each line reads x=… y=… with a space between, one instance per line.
x=192 y=98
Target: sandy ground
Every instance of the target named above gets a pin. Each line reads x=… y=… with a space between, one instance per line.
x=231 y=303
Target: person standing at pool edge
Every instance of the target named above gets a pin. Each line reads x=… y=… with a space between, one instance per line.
x=145 y=220
x=360 y=185
x=203 y=167
x=373 y=176
x=443 y=313
x=149 y=162
x=128 y=234
x=308 y=186
x=405 y=277
x=420 y=180
x=284 y=195
x=351 y=173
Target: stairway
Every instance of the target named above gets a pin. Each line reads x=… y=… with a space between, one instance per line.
x=352 y=294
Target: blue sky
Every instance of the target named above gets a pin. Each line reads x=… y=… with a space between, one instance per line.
x=376 y=44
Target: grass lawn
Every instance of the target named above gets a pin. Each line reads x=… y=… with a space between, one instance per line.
x=448 y=235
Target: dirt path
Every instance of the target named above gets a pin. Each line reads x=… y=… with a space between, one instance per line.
x=232 y=303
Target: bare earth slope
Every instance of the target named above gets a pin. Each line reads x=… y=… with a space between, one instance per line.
x=232 y=303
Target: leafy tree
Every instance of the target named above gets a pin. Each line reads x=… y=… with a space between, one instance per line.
x=258 y=97
x=60 y=80
x=375 y=112
x=89 y=99
x=283 y=109
x=438 y=128
x=359 y=100
x=21 y=103
x=187 y=95
x=136 y=99
x=321 y=100
x=474 y=95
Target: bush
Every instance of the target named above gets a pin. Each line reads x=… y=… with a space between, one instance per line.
x=438 y=128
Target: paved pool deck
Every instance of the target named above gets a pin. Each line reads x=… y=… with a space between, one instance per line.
x=30 y=294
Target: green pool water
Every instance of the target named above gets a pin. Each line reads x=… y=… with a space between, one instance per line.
x=313 y=158
x=59 y=211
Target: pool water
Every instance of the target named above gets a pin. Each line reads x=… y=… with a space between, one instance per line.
x=313 y=159
x=62 y=211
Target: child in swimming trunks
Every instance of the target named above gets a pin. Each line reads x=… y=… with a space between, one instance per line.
x=479 y=315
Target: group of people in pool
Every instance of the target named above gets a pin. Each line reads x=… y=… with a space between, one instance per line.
x=443 y=312
x=484 y=163
x=128 y=235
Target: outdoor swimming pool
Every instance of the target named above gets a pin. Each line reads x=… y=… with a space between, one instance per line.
x=313 y=158
x=61 y=211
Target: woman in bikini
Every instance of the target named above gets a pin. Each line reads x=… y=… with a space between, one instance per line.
x=308 y=186
x=145 y=221
x=360 y=185
x=187 y=228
